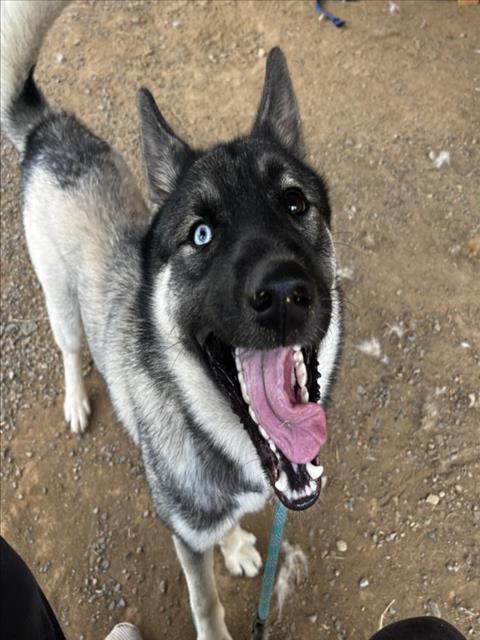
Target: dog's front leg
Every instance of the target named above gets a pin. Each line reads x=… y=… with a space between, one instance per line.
x=208 y=613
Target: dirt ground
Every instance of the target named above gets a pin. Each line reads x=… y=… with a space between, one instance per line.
x=396 y=530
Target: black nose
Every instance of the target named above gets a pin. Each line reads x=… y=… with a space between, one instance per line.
x=281 y=294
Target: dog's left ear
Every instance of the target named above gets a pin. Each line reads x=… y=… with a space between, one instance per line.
x=164 y=153
x=278 y=115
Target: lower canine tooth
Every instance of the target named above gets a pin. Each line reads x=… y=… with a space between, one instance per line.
x=282 y=483
x=313 y=471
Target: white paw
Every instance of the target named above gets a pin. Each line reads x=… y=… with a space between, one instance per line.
x=241 y=556
x=76 y=409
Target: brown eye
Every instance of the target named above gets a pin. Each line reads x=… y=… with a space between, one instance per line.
x=295 y=202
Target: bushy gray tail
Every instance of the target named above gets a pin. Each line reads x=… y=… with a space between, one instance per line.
x=25 y=24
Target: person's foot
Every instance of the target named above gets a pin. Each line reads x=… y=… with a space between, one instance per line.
x=124 y=631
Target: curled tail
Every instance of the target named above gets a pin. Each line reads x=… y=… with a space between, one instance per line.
x=25 y=24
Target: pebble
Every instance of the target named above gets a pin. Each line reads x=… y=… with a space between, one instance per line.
x=59 y=58
x=432 y=499
x=363 y=583
x=342 y=546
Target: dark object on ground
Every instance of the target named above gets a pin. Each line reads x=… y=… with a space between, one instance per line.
x=25 y=613
x=419 y=629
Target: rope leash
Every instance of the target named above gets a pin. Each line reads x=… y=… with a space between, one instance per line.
x=276 y=535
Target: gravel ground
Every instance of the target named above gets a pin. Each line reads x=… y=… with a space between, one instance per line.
x=396 y=532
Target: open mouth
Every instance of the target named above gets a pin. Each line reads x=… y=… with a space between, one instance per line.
x=275 y=393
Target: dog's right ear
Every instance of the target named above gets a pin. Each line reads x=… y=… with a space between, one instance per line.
x=164 y=153
x=278 y=116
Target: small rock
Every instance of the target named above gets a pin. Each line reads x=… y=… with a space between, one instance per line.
x=261 y=53
x=363 y=583
x=104 y=564
x=59 y=58
x=433 y=608
x=472 y=246
x=432 y=499
x=28 y=328
x=342 y=546
x=163 y=586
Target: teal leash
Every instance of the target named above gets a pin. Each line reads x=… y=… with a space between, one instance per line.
x=268 y=580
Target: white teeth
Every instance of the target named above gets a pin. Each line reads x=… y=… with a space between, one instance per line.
x=238 y=364
x=308 y=490
x=272 y=446
x=295 y=466
x=252 y=415
x=304 y=395
x=282 y=483
x=295 y=495
x=313 y=471
x=298 y=357
x=245 y=395
x=243 y=387
x=263 y=433
x=301 y=373
x=313 y=486
x=297 y=347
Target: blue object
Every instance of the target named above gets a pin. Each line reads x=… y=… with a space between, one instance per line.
x=338 y=22
x=269 y=573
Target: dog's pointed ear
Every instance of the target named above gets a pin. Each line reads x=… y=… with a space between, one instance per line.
x=278 y=114
x=164 y=153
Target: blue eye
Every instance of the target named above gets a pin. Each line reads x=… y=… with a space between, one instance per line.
x=202 y=234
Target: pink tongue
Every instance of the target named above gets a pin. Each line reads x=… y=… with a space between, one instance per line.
x=298 y=430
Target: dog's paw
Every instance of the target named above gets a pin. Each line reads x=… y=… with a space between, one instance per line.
x=76 y=409
x=241 y=556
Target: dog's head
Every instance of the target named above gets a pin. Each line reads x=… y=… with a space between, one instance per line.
x=241 y=266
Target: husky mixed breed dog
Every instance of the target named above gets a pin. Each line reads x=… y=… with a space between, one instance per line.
x=215 y=321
